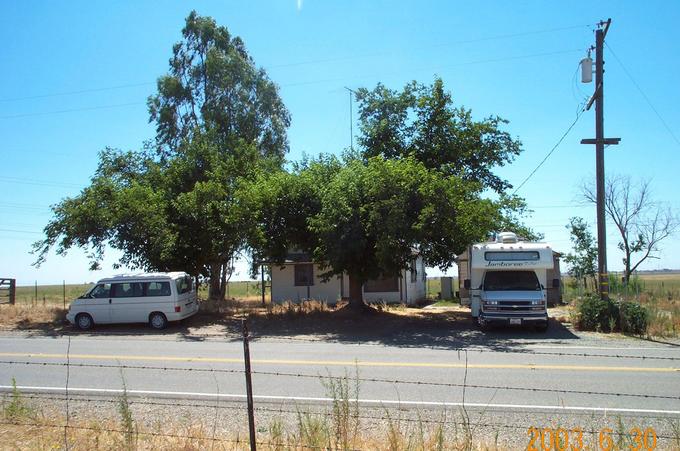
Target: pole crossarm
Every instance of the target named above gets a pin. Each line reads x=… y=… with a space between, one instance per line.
x=605 y=141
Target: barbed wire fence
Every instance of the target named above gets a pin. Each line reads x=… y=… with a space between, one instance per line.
x=71 y=395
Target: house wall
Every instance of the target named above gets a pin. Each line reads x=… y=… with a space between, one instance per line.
x=284 y=289
x=554 y=293
x=463 y=262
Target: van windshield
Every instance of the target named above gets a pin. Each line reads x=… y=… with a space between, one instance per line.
x=511 y=281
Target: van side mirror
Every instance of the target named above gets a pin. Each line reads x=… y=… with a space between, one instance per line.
x=466 y=284
x=556 y=283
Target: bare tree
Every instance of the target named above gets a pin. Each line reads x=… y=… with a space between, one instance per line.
x=641 y=222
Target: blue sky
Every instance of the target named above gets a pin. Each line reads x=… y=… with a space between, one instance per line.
x=76 y=76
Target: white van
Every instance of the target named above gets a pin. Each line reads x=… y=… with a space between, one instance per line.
x=153 y=298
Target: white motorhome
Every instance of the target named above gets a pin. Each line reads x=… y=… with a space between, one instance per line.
x=154 y=298
x=508 y=281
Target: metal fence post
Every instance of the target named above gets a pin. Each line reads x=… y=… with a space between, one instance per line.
x=63 y=290
x=249 y=386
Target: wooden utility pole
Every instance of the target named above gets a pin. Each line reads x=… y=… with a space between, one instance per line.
x=600 y=141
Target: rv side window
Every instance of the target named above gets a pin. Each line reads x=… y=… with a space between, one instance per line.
x=511 y=281
x=511 y=256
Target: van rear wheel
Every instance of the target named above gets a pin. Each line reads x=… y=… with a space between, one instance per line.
x=84 y=321
x=158 y=321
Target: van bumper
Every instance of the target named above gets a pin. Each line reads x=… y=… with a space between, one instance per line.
x=513 y=319
x=186 y=312
x=71 y=317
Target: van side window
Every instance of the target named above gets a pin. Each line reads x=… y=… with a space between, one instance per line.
x=157 y=288
x=103 y=290
x=127 y=290
x=183 y=285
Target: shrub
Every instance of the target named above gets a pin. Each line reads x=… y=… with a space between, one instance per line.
x=597 y=314
x=634 y=318
x=17 y=409
x=610 y=316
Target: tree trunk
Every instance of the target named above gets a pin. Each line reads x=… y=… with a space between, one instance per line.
x=626 y=275
x=223 y=281
x=215 y=290
x=356 y=296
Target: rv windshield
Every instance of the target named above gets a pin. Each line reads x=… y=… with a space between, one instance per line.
x=511 y=281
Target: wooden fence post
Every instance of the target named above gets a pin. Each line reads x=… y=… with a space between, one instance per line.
x=12 y=291
x=249 y=386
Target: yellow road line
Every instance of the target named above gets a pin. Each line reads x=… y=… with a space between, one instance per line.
x=522 y=366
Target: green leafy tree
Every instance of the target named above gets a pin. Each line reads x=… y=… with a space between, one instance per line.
x=213 y=85
x=422 y=122
x=366 y=219
x=583 y=261
x=176 y=205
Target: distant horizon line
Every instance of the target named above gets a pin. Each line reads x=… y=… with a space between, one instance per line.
x=645 y=271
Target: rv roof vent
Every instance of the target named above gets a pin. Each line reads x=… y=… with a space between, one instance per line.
x=506 y=237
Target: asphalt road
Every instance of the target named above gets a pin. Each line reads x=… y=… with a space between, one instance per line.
x=597 y=374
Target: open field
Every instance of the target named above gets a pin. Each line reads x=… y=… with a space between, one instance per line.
x=58 y=294
x=659 y=292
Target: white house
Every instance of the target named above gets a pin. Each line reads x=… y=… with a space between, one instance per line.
x=299 y=279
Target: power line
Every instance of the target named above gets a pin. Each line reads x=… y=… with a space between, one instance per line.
x=649 y=102
x=446 y=44
x=19 y=231
x=82 y=91
x=25 y=181
x=578 y=116
x=312 y=82
x=47 y=113
x=302 y=63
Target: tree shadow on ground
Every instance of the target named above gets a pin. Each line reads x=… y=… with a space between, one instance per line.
x=424 y=329
x=399 y=327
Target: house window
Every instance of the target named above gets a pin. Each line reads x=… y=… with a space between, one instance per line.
x=304 y=275
x=414 y=271
x=382 y=285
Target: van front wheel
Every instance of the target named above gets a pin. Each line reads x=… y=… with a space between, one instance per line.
x=84 y=321
x=158 y=320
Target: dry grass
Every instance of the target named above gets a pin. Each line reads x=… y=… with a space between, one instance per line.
x=27 y=316
x=26 y=426
x=311 y=434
